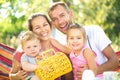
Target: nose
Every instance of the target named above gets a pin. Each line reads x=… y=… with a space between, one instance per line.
x=42 y=29
x=60 y=20
x=32 y=49
x=74 y=40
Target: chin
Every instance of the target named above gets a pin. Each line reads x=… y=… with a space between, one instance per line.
x=64 y=31
x=44 y=39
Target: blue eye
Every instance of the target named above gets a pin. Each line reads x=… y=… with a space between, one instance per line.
x=78 y=38
x=28 y=47
x=37 y=27
x=62 y=15
x=54 y=19
x=45 y=24
x=35 y=45
x=71 y=38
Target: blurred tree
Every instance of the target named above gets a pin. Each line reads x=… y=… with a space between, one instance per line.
x=14 y=15
x=104 y=13
x=113 y=22
x=12 y=21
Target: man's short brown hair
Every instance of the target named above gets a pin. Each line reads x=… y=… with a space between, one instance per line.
x=55 y=4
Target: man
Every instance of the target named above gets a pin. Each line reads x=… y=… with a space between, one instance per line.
x=61 y=18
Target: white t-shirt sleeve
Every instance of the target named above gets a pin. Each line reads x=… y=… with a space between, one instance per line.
x=101 y=39
x=98 y=41
x=59 y=36
x=97 y=36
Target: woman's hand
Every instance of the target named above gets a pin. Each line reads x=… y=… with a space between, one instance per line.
x=60 y=47
x=16 y=72
x=21 y=74
x=80 y=70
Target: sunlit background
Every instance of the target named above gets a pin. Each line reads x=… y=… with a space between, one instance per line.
x=14 y=14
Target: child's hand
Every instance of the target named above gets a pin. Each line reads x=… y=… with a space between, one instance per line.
x=39 y=57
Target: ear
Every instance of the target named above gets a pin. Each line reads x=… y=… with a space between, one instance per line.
x=52 y=23
x=70 y=13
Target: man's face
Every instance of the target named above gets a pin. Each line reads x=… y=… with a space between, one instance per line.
x=61 y=18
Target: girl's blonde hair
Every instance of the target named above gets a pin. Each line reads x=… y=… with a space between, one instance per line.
x=79 y=27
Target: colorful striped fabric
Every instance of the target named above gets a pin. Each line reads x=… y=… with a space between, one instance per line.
x=6 y=55
x=118 y=68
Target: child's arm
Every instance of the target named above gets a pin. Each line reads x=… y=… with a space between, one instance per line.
x=90 y=57
x=28 y=66
x=61 y=47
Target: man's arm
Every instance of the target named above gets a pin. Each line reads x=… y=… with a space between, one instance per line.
x=112 y=62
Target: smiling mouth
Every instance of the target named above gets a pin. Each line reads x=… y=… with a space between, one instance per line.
x=44 y=35
x=65 y=27
x=33 y=52
x=75 y=45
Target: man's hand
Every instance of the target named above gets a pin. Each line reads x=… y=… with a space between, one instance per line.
x=80 y=70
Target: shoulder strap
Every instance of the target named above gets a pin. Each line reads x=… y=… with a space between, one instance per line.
x=89 y=42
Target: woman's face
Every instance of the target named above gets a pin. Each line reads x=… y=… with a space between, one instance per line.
x=41 y=27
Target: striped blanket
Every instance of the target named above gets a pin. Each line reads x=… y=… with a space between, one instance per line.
x=118 y=68
x=6 y=55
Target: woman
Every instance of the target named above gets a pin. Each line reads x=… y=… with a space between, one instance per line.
x=39 y=24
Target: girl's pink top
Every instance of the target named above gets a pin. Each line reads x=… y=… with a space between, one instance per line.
x=77 y=60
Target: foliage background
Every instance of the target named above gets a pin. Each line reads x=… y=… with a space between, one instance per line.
x=14 y=14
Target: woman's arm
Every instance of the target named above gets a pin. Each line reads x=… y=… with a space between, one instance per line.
x=16 y=73
x=61 y=47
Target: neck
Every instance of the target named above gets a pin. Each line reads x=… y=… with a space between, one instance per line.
x=77 y=52
x=45 y=45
